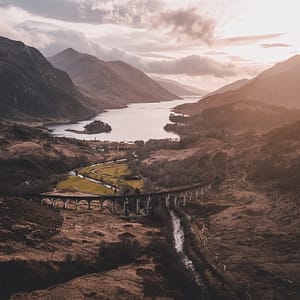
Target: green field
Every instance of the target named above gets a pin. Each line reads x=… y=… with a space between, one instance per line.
x=111 y=173
x=76 y=184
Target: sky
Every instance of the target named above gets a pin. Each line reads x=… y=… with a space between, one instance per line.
x=205 y=43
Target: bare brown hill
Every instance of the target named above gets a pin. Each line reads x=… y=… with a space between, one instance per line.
x=110 y=84
x=31 y=88
x=279 y=85
x=270 y=99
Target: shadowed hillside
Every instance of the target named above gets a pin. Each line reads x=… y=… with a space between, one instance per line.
x=31 y=88
x=278 y=161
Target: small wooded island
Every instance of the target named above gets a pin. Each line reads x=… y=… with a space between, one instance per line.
x=93 y=128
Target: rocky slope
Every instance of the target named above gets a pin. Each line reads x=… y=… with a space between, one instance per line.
x=110 y=84
x=31 y=88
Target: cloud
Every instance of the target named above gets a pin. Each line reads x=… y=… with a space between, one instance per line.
x=155 y=55
x=275 y=45
x=51 y=39
x=130 y=12
x=214 y=52
x=57 y=9
x=236 y=58
x=242 y=40
x=193 y=65
x=61 y=38
x=11 y=29
x=186 y=24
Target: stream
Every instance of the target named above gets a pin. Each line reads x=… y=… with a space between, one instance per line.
x=178 y=235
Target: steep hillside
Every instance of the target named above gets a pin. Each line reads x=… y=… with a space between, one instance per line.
x=278 y=160
x=179 y=89
x=269 y=100
x=279 y=85
x=110 y=84
x=230 y=87
x=31 y=88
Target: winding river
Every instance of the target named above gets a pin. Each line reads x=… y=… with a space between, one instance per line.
x=138 y=121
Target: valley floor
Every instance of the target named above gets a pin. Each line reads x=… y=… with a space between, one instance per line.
x=248 y=230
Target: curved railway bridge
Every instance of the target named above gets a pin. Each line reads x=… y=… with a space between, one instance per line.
x=126 y=204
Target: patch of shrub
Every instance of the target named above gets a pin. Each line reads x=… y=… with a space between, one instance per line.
x=179 y=278
x=115 y=254
x=192 y=170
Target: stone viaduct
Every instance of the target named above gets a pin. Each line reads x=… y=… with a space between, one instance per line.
x=133 y=203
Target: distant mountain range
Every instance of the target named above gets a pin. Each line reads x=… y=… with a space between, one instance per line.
x=179 y=89
x=31 y=88
x=109 y=84
x=271 y=98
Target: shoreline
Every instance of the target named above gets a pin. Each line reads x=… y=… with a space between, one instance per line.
x=66 y=122
x=146 y=114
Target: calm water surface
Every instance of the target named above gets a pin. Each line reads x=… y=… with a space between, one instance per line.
x=138 y=121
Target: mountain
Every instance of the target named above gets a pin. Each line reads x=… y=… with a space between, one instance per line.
x=32 y=89
x=270 y=99
x=277 y=86
x=177 y=88
x=110 y=84
x=230 y=87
